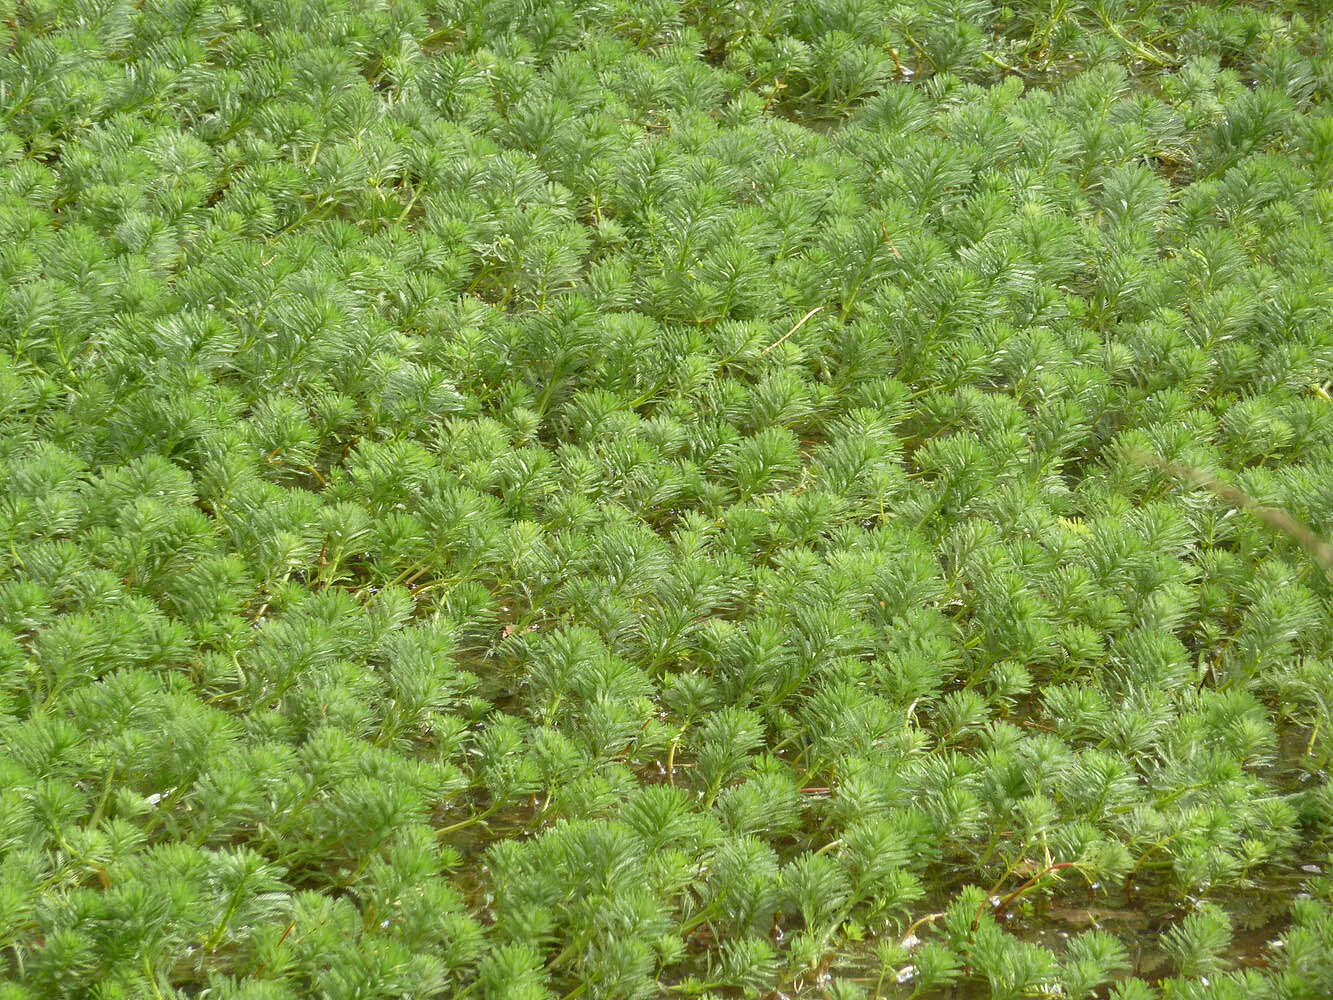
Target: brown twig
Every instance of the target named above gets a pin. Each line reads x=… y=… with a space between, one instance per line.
x=799 y=323
x=259 y=971
x=916 y=925
x=1275 y=517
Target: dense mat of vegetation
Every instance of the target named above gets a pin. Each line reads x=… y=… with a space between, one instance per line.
x=535 y=499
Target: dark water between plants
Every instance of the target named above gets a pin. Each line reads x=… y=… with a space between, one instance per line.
x=1250 y=949
x=1137 y=916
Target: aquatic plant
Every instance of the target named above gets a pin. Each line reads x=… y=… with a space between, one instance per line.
x=552 y=499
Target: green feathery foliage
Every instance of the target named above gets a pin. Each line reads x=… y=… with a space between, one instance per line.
x=692 y=498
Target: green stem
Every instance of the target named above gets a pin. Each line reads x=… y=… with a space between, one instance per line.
x=102 y=800
x=233 y=905
x=465 y=823
x=1128 y=43
x=152 y=978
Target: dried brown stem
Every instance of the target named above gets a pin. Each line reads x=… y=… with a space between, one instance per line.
x=1275 y=517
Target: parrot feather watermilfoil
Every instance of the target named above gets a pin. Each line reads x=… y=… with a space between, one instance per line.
x=607 y=500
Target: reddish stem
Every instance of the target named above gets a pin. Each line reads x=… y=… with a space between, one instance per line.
x=1005 y=903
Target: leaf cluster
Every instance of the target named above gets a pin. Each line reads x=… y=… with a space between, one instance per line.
x=610 y=500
